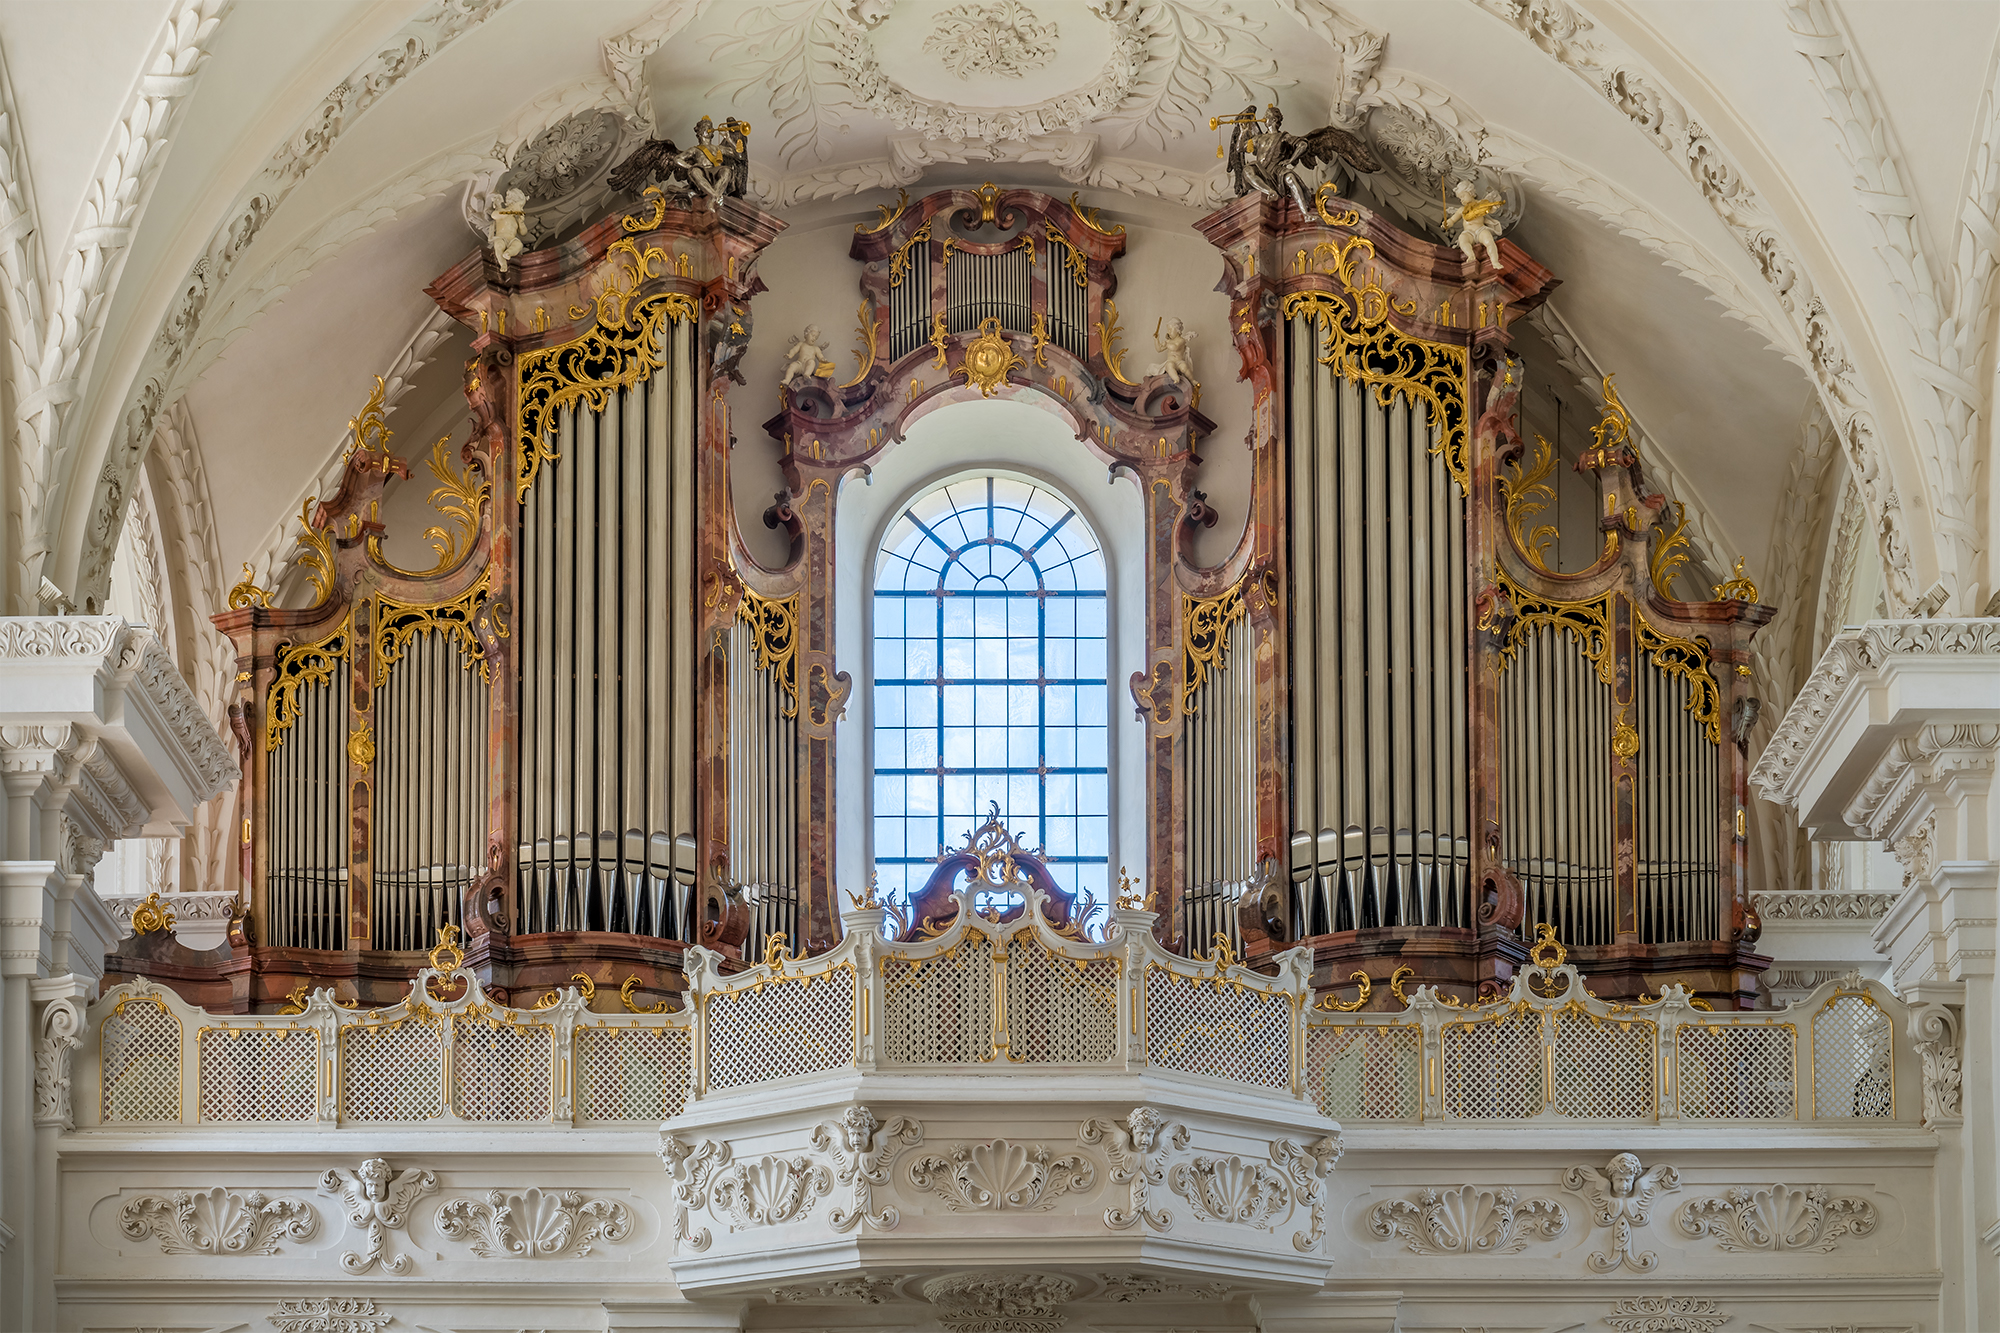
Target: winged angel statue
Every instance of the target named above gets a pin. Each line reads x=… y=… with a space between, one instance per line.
x=377 y=1201
x=716 y=164
x=1262 y=156
x=1622 y=1195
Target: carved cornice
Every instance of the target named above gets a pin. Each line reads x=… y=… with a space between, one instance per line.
x=1850 y=655
x=1822 y=906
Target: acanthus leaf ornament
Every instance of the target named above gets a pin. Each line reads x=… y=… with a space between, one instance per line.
x=330 y=1314
x=62 y=1019
x=534 y=1224
x=1471 y=1219
x=218 y=1221
x=1777 y=1217
x=1000 y=1175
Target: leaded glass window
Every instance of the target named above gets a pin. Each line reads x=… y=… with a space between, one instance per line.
x=990 y=681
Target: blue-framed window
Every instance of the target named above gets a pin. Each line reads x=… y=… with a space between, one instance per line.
x=990 y=681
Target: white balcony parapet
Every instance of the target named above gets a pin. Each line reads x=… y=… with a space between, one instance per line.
x=1552 y=1051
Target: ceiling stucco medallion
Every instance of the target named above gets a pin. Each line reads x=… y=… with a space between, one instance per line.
x=853 y=57
x=1003 y=39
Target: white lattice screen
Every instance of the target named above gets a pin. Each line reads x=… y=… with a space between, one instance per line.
x=1736 y=1072
x=631 y=1073
x=502 y=1071
x=1492 y=1070
x=259 y=1073
x=1364 y=1072
x=1236 y=1034
x=1852 y=1065
x=799 y=1026
x=1603 y=1067
x=392 y=1071
x=1059 y=1011
x=939 y=1010
x=142 y=1063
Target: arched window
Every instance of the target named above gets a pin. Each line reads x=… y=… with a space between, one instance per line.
x=990 y=681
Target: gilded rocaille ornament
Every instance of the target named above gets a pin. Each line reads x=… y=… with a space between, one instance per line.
x=247 y=593
x=988 y=358
x=1736 y=588
x=152 y=916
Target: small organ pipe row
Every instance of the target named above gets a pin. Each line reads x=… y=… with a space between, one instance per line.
x=763 y=792
x=1376 y=531
x=1219 y=773
x=978 y=287
x=430 y=790
x=308 y=824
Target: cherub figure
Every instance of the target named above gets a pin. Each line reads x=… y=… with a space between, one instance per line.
x=378 y=1201
x=509 y=219
x=806 y=357
x=1473 y=230
x=1176 y=360
x=1621 y=1195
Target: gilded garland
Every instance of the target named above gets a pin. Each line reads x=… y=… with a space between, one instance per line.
x=1361 y=344
x=623 y=349
x=300 y=665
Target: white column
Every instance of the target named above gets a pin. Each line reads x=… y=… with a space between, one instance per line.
x=1893 y=739
x=100 y=738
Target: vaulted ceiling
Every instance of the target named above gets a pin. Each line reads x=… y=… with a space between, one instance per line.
x=1760 y=214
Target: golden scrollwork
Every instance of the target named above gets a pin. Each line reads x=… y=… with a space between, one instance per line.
x=1736 y=588
x=1527 y=493
x=1089 y=217
x=316 y=555
x=585 y=986
x=1396 y=979
x=1624 y=738
x=993 y=850
x=1670 y=553
x=151 y=915
x=653 y=194
x=899 y=259
x=460 y=500
x=890 y=212
x=445 y=956
x=1612 y=433
x=989 y=203
x=1205 y=623
x=247 y=593
x=937 y=340
x=620 y=350
x=1690 y=661
x=988 y=358
x=1223 y=954
x=1038 y=345
x=299 y=665
x=1362 y=344
x=1588 y=622
x=1547 y=951
x=1074 y=261
x=774 y=625
x=1332 y=1004
x=864 y=351
x=396 y=623
x=361 y=747
x=370 y=430
x=625 y=998
x=1108 y=330
x=1347 y=217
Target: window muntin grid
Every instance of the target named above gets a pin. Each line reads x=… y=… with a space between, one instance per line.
x=990 y=681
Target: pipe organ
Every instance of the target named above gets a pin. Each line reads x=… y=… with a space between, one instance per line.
x=598 y=731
